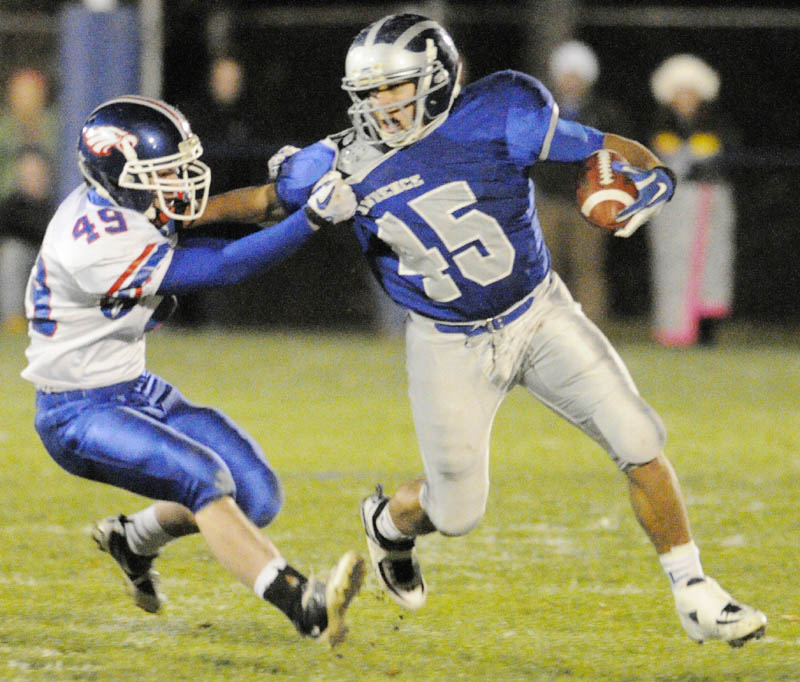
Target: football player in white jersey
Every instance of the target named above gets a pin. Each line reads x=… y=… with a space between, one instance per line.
x=109 y=266
x=447 y=218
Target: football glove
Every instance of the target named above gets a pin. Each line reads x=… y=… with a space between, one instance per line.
x=277 y=159
x=332 y=201
x=656 y=187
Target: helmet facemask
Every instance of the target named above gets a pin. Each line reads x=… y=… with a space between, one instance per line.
x=366 y=113
x=179 y=182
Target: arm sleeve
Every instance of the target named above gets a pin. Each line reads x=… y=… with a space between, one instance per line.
x=574 y=141
x=534 y=131
x=215 y=263
x=193 y=241
x=531 y=118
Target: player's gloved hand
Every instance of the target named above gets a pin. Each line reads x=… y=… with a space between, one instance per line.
x=332 y=201
x=298 y=172
x=656 y=187
x=276 y=160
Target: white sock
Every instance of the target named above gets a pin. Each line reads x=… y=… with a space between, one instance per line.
x=385 y=526
x=681 y=564
x=267 y=575
x=144 y=533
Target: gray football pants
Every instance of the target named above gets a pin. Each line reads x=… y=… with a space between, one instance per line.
x=456 y=384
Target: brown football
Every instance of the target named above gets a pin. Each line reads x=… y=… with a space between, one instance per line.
x=602 y=192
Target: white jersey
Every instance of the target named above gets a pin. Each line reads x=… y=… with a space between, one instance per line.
x=92 y=293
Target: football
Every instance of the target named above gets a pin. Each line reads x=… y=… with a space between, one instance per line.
x=602 y=192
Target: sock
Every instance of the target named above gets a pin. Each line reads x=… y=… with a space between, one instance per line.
x=681 y=564
x=386 y=528
x=282 y=585
x=144 y=534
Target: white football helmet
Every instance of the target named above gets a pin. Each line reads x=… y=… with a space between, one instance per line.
x=393 y=50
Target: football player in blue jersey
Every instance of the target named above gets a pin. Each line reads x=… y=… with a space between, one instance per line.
x=447 y=220
x=111 y=261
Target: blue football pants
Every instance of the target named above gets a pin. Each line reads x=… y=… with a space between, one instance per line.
x=145 y=437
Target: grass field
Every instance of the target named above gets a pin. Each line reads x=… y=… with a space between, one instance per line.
x=557 y=583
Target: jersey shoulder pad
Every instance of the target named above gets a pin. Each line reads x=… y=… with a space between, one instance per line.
x=343 y=138
x=526 y=87
x=353 y=154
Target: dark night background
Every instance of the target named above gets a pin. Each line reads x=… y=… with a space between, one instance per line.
x=293 y=71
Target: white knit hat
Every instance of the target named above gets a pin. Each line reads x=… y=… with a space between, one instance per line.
x=684 y=72
x=574 y=57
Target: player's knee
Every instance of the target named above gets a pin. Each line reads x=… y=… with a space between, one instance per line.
x=457 y=525
x=213 y=483
x=453 y=514
x=262 y=498
x=638 y=438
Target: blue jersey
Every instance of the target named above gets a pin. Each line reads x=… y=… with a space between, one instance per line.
x=448 y=223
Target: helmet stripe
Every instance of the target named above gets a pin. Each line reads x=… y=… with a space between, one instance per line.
x=413 y=31
x=373 y=32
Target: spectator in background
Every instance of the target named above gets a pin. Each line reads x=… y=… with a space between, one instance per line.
x=227 y=125
x=692 y=240
x=223 y=118
x=24 y=214
x=577 y=249
x=26 y=120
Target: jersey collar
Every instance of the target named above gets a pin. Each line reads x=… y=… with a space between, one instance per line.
x=95 y=198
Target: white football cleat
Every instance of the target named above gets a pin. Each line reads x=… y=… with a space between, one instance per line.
x=395 y=563
x=141 y=581
x=709 y=612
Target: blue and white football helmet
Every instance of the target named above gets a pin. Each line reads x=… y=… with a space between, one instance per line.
x=397 y=49
x=140 y=153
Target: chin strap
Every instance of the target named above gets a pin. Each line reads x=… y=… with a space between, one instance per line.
x=160 y=220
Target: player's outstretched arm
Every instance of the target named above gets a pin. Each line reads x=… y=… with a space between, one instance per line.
x=211 y=264
x=245 y=205
x=291 y=174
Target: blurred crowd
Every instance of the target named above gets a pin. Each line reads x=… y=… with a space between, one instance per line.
x=690 y=246
x=28 y=143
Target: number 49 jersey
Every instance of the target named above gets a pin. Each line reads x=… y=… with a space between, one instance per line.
x=448 y=223
x=91 y=295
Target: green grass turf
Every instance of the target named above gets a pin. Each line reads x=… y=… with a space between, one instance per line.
x=557 y=583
